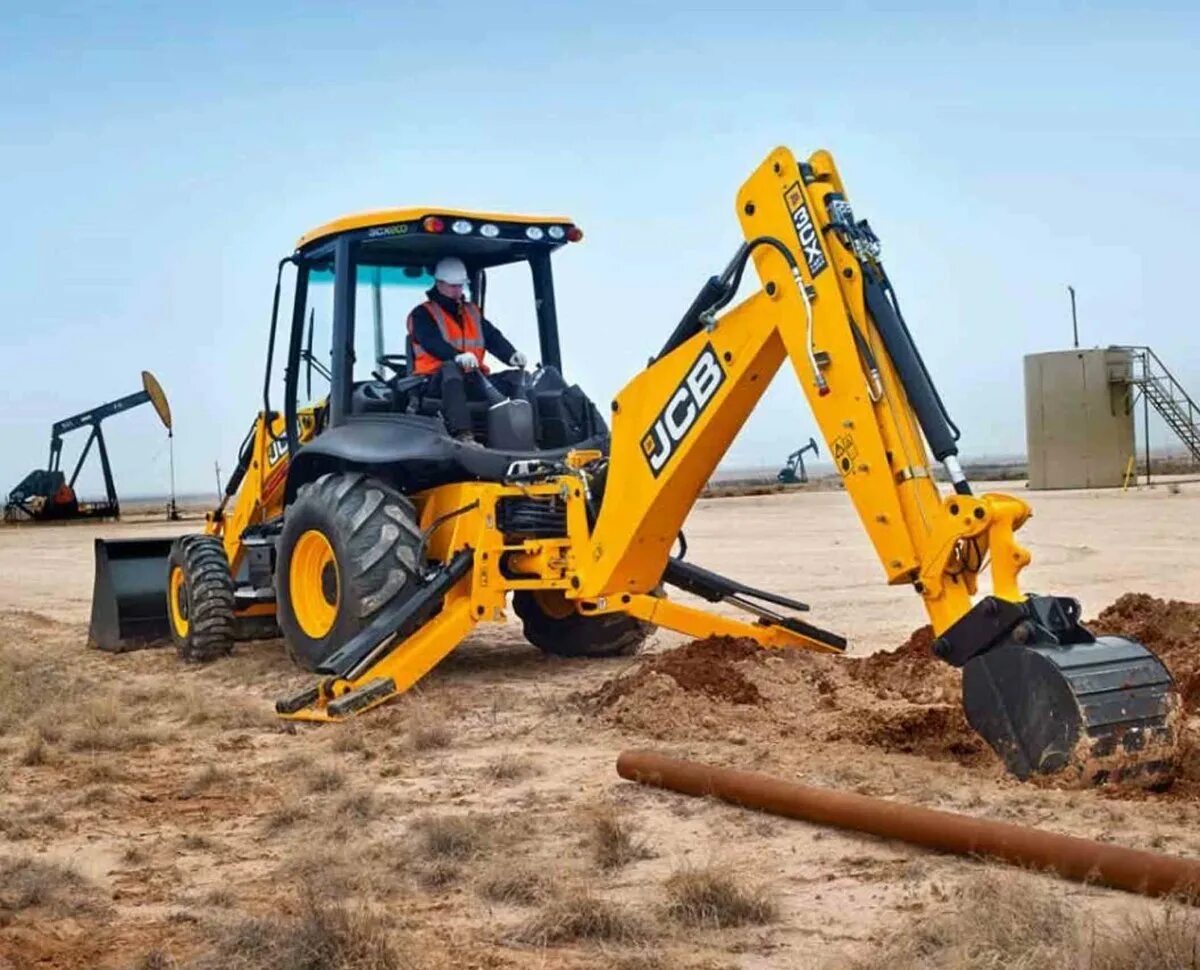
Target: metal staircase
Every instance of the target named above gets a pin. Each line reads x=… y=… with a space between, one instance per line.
x=1168 y=397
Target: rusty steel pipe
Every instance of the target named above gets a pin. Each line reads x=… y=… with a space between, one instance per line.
x=1082 y=860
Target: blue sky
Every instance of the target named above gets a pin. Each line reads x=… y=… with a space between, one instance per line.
x=158 y=159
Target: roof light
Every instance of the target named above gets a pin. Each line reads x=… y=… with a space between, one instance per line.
x=433 y=224
x=488 y=230
x=574 y=234
x=556 y=232
x=461 y=226
x=534 y=232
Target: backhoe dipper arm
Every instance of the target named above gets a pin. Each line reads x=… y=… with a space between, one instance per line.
x=1037 y=685
x=674 y=422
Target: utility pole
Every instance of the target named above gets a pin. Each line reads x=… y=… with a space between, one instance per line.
x=1074 y=318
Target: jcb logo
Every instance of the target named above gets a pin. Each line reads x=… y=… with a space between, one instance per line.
x=688 y=402
x=806 y=232
x=275 y=450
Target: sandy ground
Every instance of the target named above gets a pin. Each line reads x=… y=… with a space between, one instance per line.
x=184 y=806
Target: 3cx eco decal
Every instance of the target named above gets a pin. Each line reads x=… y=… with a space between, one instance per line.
x=806 y=232
x=683 y=408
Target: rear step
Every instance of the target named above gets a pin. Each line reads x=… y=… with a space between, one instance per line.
x=1049 y=697
x=129 y=594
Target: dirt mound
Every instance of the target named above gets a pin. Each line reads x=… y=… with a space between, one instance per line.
x=911 y=672
x=938 y=732
x=1170 y=628
x=700 y=667
x=903 y=701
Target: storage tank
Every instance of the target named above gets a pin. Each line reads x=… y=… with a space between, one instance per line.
x=1078 y=417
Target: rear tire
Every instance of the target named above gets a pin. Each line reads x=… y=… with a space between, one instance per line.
x=552 y=625
x=349 y=547
x=200 y=598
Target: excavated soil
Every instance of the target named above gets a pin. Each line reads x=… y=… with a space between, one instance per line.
x=1170 y=628
x=700 y=667
x=901 y=701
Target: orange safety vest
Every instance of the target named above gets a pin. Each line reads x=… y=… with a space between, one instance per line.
x=464 y=335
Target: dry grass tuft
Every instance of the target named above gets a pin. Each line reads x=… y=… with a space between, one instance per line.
x=95 y=795
x=439 y=873
x=16 y=828
x=999 y=919
x=203 y=780
x=326 y=779
x=456 y=837
x=221 y=898
x=359 y=806
x=1168 y=937
x=135 y=855
x=648 y=960
x=101 y=772
x=285 y=817
x=352 y=739
x=104 y=723
x=157 y=960
x=28 y=883
x=612 y=838
x=581 y=917
x=509 y=767
x=1007 y=919
x=521 y=885
x=195 y=842
x=322 y=936
x=36 y=752
x=430 y=734
x=710 y=897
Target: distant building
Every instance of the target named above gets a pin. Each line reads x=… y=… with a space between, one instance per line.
x=1079 y=417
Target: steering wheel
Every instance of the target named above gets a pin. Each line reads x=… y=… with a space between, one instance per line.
x=374 y=396
x=396 y=362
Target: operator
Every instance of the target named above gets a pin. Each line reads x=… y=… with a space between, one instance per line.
x=450 y=336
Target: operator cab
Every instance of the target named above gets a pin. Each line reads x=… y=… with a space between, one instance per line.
x=349 y=353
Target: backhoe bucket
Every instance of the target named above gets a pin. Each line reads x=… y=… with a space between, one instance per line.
x=1104 y=710
x=129 y=595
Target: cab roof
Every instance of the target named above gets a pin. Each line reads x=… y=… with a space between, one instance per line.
x=402 y=221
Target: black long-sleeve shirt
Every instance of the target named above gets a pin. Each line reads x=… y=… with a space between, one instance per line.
x=428 y=334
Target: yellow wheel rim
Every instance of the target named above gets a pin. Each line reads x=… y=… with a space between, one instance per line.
x=314 y=584
x=553 y=603
x=177 y=597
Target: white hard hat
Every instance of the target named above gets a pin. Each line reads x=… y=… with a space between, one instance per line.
x=451 y=270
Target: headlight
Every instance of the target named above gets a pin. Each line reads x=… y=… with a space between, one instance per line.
x=461 y=226
x=556 y=232
x=487 y=229
x=534 y=233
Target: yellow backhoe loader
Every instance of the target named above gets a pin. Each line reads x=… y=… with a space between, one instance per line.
x=378 y=541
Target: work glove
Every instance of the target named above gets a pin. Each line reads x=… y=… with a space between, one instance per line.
x=467 y=362
x=518 y=359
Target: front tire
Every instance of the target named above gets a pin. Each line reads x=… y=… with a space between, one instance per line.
x=349 y=547
x=552 y=624
x=200 y=598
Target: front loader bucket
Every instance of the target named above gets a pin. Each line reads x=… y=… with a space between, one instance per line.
x=1104 y=710
x=129 y=595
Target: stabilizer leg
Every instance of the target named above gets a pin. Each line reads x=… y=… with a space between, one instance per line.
x=339 y=698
